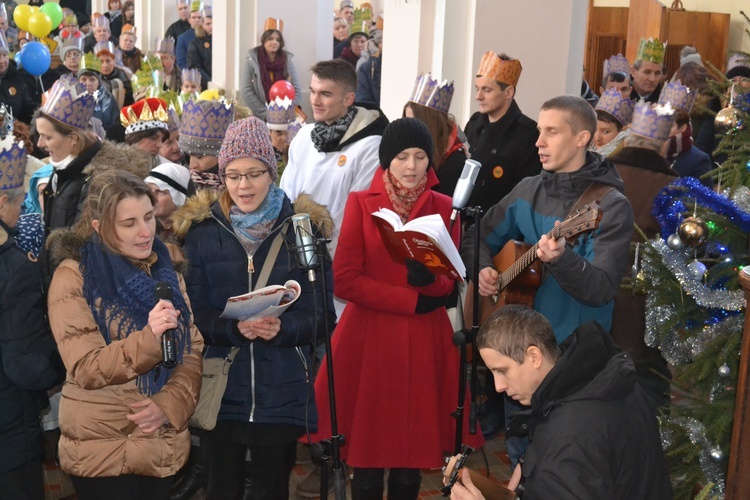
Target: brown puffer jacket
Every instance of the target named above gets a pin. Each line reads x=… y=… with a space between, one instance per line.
x=97 y=439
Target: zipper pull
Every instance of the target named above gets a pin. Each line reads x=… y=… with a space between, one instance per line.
x=250 y=265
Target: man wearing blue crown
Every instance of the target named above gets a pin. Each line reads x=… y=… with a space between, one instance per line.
x=645 y=171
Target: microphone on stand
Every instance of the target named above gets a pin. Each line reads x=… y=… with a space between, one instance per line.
x=464 y=187
x=306 y=255
x=164 y=291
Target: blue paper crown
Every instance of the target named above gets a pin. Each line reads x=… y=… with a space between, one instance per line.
x=616 y=64
x=203 y=125
x=12 y=154
x=432 y=93
x=652 y=121
x=617 y=105
x=69 y=103
x=678 y=95
x=280 y=113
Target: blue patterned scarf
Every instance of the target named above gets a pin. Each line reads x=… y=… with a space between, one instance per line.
x=121 y=295
x=254 y=226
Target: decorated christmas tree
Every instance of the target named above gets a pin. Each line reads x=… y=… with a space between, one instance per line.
x=695 y=305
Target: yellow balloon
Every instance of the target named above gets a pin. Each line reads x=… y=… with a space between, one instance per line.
x=40 y=24
x=34 y=9
x=21 y=15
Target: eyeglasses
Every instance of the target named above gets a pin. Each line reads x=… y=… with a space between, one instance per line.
x=250 y=176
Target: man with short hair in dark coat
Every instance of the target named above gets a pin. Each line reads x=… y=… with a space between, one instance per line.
x=592 y=434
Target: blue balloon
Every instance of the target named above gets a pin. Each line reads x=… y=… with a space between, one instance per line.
x=35 y=58
x=17 y=58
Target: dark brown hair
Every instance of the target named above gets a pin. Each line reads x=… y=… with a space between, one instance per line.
x=267 y=34
x=136 y=137
x=580 y=114
x=513 y=329
x=338 y=71
x=606 y=117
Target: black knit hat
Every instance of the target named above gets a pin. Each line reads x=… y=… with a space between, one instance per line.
x=402 y=134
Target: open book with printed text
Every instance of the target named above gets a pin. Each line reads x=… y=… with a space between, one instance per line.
x=425 y=239
x=272 y=301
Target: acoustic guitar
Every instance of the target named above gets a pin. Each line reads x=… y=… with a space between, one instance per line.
x=520 y=270
x=489 y=489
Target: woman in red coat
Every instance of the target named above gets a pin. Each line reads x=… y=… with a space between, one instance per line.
x=395 y=365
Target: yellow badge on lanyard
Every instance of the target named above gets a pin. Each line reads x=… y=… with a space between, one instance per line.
x=498 y=172
x=12 y=91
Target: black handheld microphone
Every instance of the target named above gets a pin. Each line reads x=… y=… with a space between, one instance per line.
x=164 y=291
x=306 y=256
x=464 y=186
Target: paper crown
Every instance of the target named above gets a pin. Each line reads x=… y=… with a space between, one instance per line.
x=507 y=72
x=99 y=21
x=737 y=59
x=346 y=3
x=207 y=11
x=69 y=103
x=4 y=47
x=196 y=6
x=653 y=121
x=361 y=23
x=145 y=114
x=174 y=120
x=12 y=153
x=203 y=125
x=273 y=24
x=71 y=43
x=90 y=62
x=678 y=95
x=165 y=45
x=616 y=64
x=129 y=28
x=617 y=105
x=70 y=20
x=432 y=93
x=651 y=50
x=104 y=47
x=3 y=12
x=280 y=112
x=191 y=75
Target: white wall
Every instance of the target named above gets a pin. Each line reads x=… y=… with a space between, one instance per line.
x=738 y=39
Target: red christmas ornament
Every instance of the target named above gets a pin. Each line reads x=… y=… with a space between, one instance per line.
x=281 y=89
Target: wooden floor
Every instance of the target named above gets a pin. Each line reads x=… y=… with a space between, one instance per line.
x=58 y=485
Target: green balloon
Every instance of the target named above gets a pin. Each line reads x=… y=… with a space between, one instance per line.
x=54 y=11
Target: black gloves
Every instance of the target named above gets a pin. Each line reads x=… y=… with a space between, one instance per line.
x=426 y=304
x=418 y=275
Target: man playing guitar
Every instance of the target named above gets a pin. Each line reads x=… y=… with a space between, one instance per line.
x=579 y=282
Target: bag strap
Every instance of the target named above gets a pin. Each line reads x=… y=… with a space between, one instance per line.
x=265 y=272
x=595 y=192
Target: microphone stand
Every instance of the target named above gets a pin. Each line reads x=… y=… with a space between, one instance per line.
x=332 y=447
x=468 y=336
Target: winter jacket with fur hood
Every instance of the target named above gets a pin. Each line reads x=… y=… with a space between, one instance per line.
x=97 y=439
x=269 y=381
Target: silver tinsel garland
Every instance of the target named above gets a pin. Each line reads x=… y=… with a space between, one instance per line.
x=711 y=467
x=741 y=197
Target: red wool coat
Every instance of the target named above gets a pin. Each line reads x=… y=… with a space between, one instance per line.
x=396 y=371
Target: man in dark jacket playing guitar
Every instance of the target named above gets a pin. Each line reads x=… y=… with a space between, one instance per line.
x=578 y=283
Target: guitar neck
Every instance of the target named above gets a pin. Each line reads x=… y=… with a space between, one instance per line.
x=524 y=261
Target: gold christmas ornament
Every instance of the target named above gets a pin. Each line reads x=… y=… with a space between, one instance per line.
x=693 y=231
x=727 y=119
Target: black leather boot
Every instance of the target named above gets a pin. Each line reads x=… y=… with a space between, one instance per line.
x=192 y=480
x=359 y=493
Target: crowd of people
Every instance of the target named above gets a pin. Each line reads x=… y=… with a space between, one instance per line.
x=119 y=181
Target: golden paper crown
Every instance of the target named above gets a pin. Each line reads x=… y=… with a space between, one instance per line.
x=651 y=50
x=507 y=72
x=129 y=28
x=273 y=24
x=678 y=95
x=361 y=23
x=91 y=62
x=145 y=114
